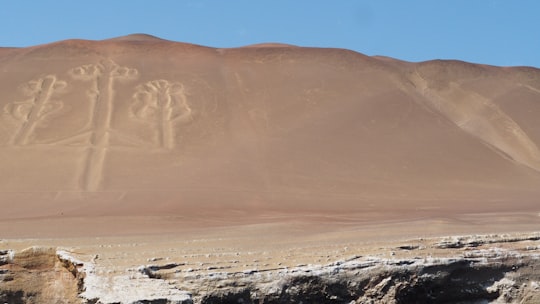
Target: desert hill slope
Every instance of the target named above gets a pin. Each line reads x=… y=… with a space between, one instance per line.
x=143 y=126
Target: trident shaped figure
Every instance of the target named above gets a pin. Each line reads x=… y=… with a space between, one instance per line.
x=160 y=103
x=97 y=134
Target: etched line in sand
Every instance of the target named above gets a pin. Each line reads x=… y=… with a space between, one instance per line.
x=162 y=104
x=103 y=77
x=530 y=88
x=35 y=110
x=478 y=116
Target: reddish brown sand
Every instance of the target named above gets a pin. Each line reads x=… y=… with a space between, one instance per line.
x=139 y=150
x=141 y=136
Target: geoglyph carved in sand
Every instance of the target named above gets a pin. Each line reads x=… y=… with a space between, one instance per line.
x=37 y=109
x=102 y=77
x=161 y=104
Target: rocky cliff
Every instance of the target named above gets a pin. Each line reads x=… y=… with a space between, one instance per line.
x=473 y=269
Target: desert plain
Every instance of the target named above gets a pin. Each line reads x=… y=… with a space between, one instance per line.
x=141 y=170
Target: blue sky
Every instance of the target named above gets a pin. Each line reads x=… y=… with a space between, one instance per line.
x=498 y=32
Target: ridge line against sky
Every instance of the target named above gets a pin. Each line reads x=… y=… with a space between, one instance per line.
x=496 y=32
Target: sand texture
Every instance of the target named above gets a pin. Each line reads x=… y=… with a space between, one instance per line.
x=256 y=147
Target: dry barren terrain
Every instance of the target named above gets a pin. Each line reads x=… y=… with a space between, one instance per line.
x=140 y=169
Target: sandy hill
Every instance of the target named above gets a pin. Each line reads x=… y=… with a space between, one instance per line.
x=139 y=126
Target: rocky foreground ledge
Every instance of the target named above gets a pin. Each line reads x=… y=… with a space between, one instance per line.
x=466 y=269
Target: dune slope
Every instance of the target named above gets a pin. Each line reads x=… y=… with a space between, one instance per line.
x=139 y=126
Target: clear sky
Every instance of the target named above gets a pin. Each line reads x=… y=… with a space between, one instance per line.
x=498 y=32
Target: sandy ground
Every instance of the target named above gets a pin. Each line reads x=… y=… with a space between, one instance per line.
x=127 y=243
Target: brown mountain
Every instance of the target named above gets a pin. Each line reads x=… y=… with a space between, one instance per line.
x=139 y=126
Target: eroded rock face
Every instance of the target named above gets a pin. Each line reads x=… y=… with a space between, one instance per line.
x=38 y=275
x=441 y=281
x=485 y=269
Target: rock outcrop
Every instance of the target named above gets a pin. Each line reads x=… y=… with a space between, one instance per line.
x=38 y=275
x=474 y=269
